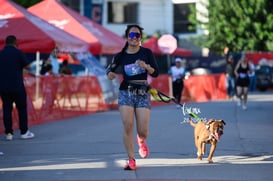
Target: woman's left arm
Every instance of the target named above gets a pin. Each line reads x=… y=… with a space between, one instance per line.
x=152 y=66
x=149 y=69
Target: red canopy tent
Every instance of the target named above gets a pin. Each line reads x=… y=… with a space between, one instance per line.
x=153 y=45
x=182 y=52
x=33 y=33
x=101 y=40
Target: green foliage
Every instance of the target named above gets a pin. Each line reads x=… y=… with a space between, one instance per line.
x=240 y=25
x=27 y=3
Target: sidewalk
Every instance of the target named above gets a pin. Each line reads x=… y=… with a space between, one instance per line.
x=90 y=147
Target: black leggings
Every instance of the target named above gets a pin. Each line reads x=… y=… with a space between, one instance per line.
x=177 y=90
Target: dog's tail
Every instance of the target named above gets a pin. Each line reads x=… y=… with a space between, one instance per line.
x=192 y=123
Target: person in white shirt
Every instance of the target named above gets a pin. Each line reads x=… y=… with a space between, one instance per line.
x=252 y=78
x=177 y=73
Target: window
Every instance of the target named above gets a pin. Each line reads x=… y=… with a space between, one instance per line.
x=122 y=12
x=74 y=4
x=181 y=15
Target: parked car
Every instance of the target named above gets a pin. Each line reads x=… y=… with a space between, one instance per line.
x=264 y=77
x=200 y=71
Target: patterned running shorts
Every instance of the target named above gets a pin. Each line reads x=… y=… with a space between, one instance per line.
x=127 y=98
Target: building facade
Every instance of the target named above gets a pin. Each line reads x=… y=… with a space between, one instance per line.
x=155 y=16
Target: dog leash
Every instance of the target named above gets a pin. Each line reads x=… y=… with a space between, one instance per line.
x=161 y=97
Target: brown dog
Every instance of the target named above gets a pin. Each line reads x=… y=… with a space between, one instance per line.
x=208 y=132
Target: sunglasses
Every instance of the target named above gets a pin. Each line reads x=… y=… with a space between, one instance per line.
x=134 y=34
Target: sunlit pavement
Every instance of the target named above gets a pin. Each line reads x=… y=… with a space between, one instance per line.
x=90 y=147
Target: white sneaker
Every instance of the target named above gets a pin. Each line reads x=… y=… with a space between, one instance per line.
x=9 y=137
x=27 y=135
x=239 y=102
x=244 y=107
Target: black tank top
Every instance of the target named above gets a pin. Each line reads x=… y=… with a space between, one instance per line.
x=242 y=69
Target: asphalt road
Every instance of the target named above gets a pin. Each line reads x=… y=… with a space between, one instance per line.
x=90 y=147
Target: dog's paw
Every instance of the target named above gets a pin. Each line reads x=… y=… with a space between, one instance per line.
x=210 y=161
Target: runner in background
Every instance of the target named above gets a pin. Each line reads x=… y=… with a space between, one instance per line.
x=177 y=73
x=242 y=71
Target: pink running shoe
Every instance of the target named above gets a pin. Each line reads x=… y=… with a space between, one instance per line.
x=131 y=164
x=143 y=148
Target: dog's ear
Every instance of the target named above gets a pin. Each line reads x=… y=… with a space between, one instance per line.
x=223 y=122
x=210 y=121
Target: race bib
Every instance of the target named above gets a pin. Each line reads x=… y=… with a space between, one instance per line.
x=242 y=75
x=133 y=69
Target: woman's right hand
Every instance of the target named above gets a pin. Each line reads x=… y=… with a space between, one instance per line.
x=111 y=75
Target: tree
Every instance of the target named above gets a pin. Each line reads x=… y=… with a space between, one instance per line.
x=240 y=25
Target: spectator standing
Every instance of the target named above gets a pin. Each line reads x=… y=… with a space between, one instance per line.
x=54 y=60
x=45 y=66
x=230 y=77
x=64 y=68
x=252 y=78
x=177 y=73
x=49 y=70
x=12 y=88
x=134 y=99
